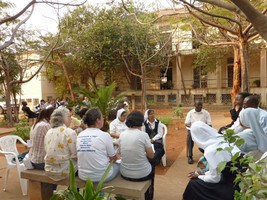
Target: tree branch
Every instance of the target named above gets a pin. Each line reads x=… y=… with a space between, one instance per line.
x=127 y=66
x=210 y=44
x=216 y=16
x=8 y=19
x=40 y=67
x=14 y=31
x=223 y=4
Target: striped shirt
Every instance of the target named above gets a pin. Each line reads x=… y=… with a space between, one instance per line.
x=37 y=135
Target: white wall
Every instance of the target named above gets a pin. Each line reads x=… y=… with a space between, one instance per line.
x=36 y=89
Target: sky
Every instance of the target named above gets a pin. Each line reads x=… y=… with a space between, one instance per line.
x=44 y=18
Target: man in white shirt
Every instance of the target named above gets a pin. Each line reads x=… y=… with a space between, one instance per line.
x=40 y=106
x=196 y=114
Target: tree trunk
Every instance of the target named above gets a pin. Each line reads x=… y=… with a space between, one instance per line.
x=8 y=98
x=16 y=112
x=8 y=106
x=244 y=65
x=67 y=78
x=236 y=75
x=143 y=85
x=178 y=63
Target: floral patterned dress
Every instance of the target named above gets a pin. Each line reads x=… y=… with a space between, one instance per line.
x=60 y=147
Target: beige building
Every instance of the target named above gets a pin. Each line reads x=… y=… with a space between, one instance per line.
x=37 y=88
x=180 y=82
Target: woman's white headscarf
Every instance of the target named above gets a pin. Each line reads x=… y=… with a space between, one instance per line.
x=119 y=113
x=146 y=114
x=208 y=139
x=256 y=119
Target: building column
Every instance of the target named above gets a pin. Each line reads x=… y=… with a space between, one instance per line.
x=218 y=83
x=263 y=72
x=263 y=65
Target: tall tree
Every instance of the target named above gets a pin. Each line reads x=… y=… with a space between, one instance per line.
x=109 y=40
x=219 y=27
x=146 y=49
x=250 y=9
x=92 y=44
x=17 y=42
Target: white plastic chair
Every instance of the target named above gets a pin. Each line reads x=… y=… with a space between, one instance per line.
x=9 y=149
x=165 y=132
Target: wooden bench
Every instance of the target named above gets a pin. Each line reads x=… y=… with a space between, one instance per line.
x=38 y=178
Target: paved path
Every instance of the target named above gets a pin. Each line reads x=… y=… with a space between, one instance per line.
x=4 y=131
x=169 y=186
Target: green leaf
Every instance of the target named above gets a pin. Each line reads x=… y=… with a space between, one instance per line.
x=232 y=140
x=103 y=178
x=239 y=142
x=230 y=132
x=89 y=189
x=235 y=156
x=253 y=166
x=229 y=149
x=219 y=149
x=221 y=166
x=73 y=185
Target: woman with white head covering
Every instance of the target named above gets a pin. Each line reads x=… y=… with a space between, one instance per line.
x=153 y=127
x=255 y=119
x=117 y=126
x=146 y=115
x=212 y=184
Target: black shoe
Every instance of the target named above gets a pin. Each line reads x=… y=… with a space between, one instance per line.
x=190 y=160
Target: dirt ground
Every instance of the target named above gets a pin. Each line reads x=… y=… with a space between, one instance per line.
x=175 y=140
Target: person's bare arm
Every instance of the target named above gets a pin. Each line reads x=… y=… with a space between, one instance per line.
x=114 y=158
x=115 y=135
x=149 y=152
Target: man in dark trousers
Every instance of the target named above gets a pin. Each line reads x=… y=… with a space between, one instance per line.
x=28 y=111
x=196 y=114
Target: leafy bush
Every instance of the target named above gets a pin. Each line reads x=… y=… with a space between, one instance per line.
x=165 y=120
x=23 y=130
x=178 y=111
x=253 y=181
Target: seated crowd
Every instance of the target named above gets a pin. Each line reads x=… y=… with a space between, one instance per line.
x=249 y=122
x=133 y=144
x=57 y=137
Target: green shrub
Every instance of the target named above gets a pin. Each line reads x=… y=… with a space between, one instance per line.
x=179 y=112
x=165 y=120
x=252 y=182
x=23 y=130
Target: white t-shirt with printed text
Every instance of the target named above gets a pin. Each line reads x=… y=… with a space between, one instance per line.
x=94 y=147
